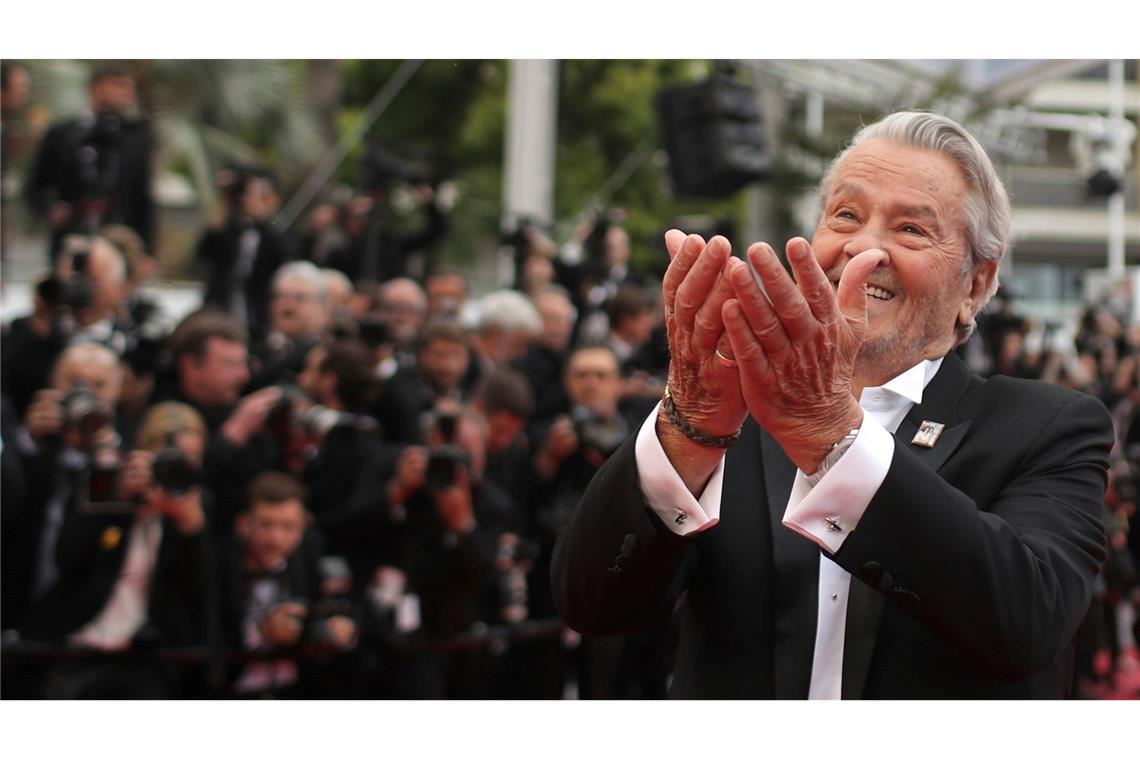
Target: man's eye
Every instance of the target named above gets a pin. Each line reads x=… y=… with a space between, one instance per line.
x=911 y=229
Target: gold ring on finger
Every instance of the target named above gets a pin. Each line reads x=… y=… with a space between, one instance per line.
x=724 y=360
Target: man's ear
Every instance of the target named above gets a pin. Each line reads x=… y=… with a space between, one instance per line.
x=981 y=278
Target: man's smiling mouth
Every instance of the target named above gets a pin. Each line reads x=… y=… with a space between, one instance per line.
x=878 y=293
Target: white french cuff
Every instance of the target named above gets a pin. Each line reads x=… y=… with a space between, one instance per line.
x=830 y=512
x=664 y=490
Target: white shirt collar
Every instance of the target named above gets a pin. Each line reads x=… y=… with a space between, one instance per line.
x=910 y=384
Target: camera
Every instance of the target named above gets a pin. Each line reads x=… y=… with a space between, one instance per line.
x=596 y=433
x=333 y=601
x=513 y=560
x=381 y=169
x=317 y=421
x=373 y=331
x=84 y=413
x=66 y=295
x=314 y=420
x=172 y=470
x=443 y=466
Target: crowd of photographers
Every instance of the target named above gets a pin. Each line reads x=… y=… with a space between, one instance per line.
x=343 y=476
x=325 y=478
x=1102 y=359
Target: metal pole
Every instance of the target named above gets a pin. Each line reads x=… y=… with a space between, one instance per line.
x=1116 y=201
x=532 y=127
x=336 y=155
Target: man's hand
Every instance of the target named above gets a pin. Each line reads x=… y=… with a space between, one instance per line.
x=796 y=353
x=44 y=417
x=342 y=631
x=250 y=415
x=184 y=510
x=284 y=624
x=561 y=441
x=705 y=389
x=136 y=478
x=410 y=475
x=454 y=504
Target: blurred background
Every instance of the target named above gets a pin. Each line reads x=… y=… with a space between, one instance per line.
x=481 y=243
x=730 y=146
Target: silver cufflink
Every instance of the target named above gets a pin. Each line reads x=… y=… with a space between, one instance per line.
x=833 y=523
x=681 y=517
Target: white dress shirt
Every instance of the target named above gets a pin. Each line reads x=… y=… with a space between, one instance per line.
x=842 y=494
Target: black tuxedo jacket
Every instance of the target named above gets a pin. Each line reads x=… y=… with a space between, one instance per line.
x=90 y=555
x=972 y=566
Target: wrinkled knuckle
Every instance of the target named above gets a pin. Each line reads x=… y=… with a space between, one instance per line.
x=707 y=321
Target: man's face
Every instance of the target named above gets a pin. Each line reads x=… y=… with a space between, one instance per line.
x=403 y=309
x=104 y=379
x=259 y=200
x=444 y=363
x=594 y=381
x=15 y=93
x=445 y=294
x=907 y=202
x=502 y=429
x=297 y=310
x=272 y=532
x=638 y=328
x=557 y=322
x=218 y=377
x=113 y=94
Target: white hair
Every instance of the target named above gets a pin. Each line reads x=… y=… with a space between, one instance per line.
x=510 y=311
x=306 y=272
x=986 y=208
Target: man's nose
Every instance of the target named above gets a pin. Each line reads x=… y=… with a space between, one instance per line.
x=868 y=236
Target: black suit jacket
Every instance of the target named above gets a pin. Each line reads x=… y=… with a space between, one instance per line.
x=57 y=173
x=972 y=566
x=90 y=555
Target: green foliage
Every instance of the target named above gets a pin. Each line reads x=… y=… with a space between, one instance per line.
x=456 y=111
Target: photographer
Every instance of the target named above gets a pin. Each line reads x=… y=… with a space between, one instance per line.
x=544 y=362
x=61 y=429
x=271 y=589
x=300 y=316
x=209 y=366
x=573 y=450
x=339 y=383
x=79 y=303
x=130 y=564
x=242 y=249
x=96 y=169
x=375 y=250
x=403 y=307
x=443 y=358
x=439 y=521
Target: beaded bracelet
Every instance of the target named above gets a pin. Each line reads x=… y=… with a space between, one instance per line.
x=692 y=433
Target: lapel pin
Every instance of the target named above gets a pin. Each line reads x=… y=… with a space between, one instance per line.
x=110 y=538
x=928 y=434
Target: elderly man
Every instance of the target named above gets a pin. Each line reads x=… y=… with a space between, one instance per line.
x=80 y=303
x=892 y=526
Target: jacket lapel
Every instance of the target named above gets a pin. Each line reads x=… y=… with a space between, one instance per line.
x=795 y=568
x=865 y=604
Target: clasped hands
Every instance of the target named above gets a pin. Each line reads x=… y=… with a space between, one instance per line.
x=792 y=353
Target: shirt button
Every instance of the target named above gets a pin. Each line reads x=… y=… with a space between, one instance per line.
x=834 y=597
